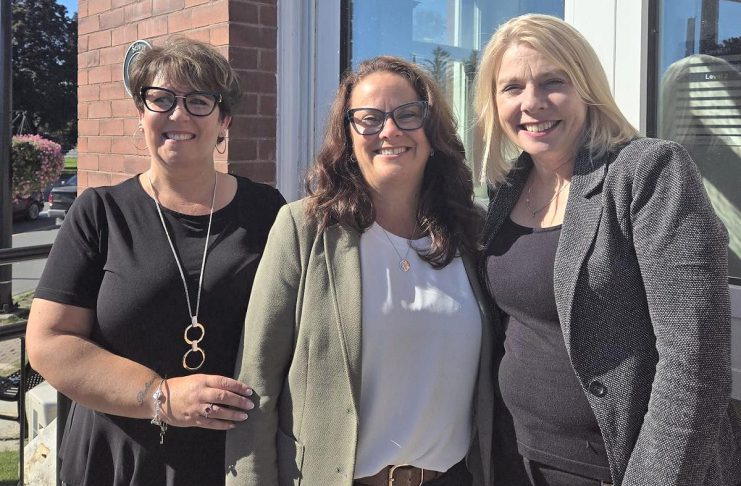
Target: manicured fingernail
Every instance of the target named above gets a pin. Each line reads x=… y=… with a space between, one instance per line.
x=242 y=416
x=250 y=406
x=249 y=392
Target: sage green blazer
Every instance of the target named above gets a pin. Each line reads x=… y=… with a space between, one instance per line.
x=301 y=352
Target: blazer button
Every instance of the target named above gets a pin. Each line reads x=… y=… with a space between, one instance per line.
x=597 y=389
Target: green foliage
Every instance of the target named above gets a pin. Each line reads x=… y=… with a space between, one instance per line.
x=44 y=44
x=35 y=163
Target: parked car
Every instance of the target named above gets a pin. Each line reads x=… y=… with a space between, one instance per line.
x=62 y=181
x=28 y=207
x=62 y=197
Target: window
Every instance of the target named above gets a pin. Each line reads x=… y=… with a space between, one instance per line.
x=445 y=36
x=699 y=99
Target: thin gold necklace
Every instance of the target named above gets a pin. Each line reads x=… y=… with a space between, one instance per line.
x=194 y=325
x=534 y=212
x=404 y=263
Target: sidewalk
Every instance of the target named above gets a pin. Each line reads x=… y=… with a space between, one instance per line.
x=10 y=357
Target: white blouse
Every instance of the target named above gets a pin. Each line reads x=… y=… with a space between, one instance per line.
x=421 y=339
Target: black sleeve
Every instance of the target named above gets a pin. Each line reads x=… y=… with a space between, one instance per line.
x=74 y=269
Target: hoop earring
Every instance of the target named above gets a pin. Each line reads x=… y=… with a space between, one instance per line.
x=133 y=139
x=352 y=159
x=223 y=150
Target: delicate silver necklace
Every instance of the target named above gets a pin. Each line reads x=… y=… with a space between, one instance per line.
x=194 y=325
x=534 y=212
x=403 y=260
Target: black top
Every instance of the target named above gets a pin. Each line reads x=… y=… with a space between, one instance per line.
x=111 y=255
x=553 y=420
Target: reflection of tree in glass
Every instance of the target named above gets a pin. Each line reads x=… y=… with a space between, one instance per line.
x=471 y=65
x=429 y=26
x=700 y=107
x=439 y=66
x=729 y=46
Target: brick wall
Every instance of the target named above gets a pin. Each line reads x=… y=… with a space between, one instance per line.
x=244 y=31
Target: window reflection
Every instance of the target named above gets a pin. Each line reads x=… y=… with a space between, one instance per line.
x=444 y=36
x=700 y=100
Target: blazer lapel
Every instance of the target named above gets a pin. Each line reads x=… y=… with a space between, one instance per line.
x=342 y=248
x=504 y=197
x=579 y=229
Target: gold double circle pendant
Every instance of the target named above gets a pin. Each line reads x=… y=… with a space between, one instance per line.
x=194 y=362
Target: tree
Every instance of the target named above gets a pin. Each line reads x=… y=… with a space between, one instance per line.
x=44 y=41
x=439 y=66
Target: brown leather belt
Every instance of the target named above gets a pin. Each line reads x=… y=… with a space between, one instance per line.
x=399 y=476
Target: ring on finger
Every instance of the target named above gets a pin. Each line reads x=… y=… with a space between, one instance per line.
x=207 y=411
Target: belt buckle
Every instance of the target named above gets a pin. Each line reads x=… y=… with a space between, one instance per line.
x=392 y=470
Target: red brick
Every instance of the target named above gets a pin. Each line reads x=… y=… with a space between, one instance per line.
x=253 y=36
x=88 y=93
x=129 y=126
x=135 y=164
x=257 y=82
x=113 y=126
x=81 y=8
x=81 y=111
x=269 y=15
x=99 y=145
x=120 y=3
x=192 y=3
x=112 y=91
x=99 y=109
x=152 y=27
x=97 y=6
x=126 y=34
x=243 y=57
x=123 y=108
x=87 y=161
x=81 y=179
x=98 y=179
x=100 y=74
x=112 y=55
x=82 y=77
x=99 y=39
x=266 y=149
x=119 y=178
x=219 y=35
x=247 y=105
x=86 y=25
x=211 y=14
x=179 y=21
x=82 y=144
x=257 y=171
x=268 y=60
x=88 y=127
x=82 y=43
x=88 y=59
x=253 y=127
x=114 y=18
x=126 y=145
x=242 y=149
x=267 y=105
x=246 y=13
x=138 y=11
x=202 y=35
x=160 y=7
x=111 y=163
x=117 y=73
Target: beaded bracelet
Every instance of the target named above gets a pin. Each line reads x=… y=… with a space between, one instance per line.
x=157 y=397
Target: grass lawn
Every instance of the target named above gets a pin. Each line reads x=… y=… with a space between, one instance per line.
x=8 y=468
x=70 y=163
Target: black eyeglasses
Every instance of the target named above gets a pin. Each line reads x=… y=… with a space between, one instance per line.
x=162 y=100
x=369 y=121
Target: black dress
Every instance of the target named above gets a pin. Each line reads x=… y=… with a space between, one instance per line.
x=111 y=255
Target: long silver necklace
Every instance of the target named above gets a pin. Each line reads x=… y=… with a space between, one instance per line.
x=534 y=212
x=194 y=326
x=404 y=264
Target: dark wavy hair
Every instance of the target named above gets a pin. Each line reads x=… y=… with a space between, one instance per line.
x=446 y=212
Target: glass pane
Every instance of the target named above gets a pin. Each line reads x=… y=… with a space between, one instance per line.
x=444 y=36
x=700 y=99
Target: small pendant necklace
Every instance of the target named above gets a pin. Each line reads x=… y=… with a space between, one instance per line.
x=534 y=212
x=194 y=326
x=404 y=264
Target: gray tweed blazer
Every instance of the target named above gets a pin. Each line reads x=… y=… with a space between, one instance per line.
x=641 y=288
